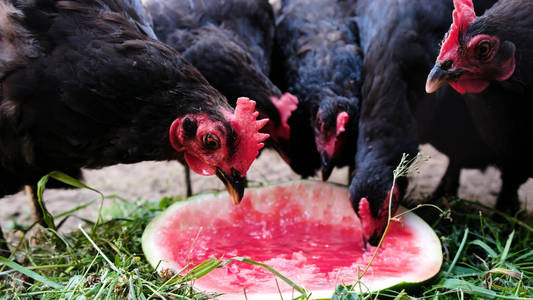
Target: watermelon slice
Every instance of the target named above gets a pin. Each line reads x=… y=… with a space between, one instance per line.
x=305 y=230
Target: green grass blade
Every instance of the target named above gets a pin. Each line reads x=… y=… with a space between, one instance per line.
x=507 y=247
x=99 y=251
x=461 y=246
x=60 y=237
x=204 y=268
x=485 y=247
x=469 y=288
x=524 y=256
x=75 y=209
x=111 y=288
x=60 y=176
x=83 y=278
x=287 y=280
x=507 y=272
x=76 y=183
x=102 y=289
x=132 y=289
x=30 y=273
x=47 y=216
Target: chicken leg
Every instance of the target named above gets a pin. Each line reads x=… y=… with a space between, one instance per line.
x=188 y=185
x=37 y=212
x=449 y=184
x=508 y=198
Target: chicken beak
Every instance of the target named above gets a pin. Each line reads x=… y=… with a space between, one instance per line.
x=373 y=240
x=327 y=166
x=234 y=183
x=439 y=77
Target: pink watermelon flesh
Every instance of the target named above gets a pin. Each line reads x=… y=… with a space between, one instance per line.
x=305 y=230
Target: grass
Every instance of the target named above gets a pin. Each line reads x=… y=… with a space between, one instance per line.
x=483 y=258
x=104 y=261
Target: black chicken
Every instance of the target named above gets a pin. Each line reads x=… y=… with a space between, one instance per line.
x=230 y=43
x=489 y=59
x=85 y=84
x=399 y=41
x=320 y=62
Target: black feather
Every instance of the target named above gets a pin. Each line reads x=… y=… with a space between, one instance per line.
x=100 y=91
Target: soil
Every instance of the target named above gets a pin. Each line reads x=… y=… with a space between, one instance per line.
x=154 y=180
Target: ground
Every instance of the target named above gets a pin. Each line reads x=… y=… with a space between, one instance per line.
x=154 y=180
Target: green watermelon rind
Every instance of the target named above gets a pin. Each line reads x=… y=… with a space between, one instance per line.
x=148 y=248
x=429 y=239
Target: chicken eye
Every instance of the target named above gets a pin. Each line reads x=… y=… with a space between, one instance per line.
x=483 y=50
x=211 y=142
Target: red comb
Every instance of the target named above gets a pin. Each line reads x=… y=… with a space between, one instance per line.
x=249 y=139
x=286 y=105
x=373 y=224
x=342 y=120
x=368 y=222
x=463 y=16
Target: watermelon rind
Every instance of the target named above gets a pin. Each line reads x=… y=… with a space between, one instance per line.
x=430 y=263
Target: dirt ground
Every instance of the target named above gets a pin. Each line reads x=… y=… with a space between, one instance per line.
x=154 y=180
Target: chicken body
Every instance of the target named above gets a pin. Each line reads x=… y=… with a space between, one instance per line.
x=320 y=61
x=86 y=84
x=399 y=41
x=75 y=97
x=230 y=43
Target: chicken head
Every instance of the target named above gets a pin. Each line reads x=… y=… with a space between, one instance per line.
x=471 y=55
x=225 y=147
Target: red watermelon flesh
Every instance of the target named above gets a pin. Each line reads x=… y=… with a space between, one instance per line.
x=305 y=230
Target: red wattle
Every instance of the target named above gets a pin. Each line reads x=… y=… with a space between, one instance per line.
x=198 y=166
x=469 y=86
x=173 y=135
